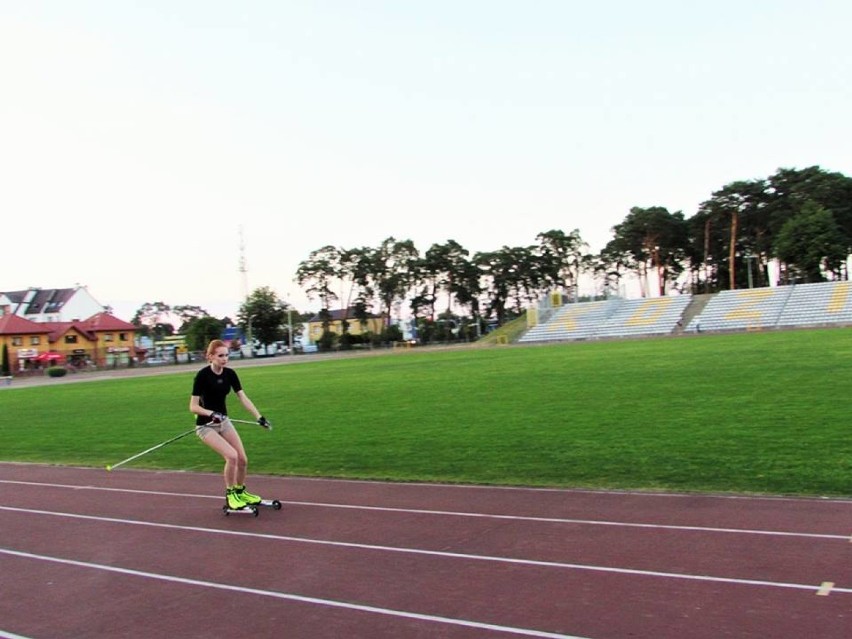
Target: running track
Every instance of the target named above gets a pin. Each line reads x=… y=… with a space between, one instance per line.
x=86 y=553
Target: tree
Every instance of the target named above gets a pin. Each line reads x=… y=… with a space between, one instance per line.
x=444 y=268
x=154 y=319
x=789 y=189
x=466 y=285
x=563 y=259
x=392 y=269
x=656 y=240
x=513 y=275
x=5 y=369
x=612 y=264
x=353 y=271
x=319 y=272
x=187 y=314
x=722 y=228
x=201 y=331
x=811 y=244
x=266 y=314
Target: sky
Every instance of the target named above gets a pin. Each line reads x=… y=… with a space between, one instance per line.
x=146 y=147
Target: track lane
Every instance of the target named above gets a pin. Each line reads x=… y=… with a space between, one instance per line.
x=558 y=599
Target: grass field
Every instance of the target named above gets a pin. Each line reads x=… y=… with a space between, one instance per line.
x=756 y=413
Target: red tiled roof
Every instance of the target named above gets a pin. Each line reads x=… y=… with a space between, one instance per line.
x=106 y=322
x=14 y=325
x=96 y=323
x=58 y=329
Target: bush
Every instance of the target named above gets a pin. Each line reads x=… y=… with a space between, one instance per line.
x=327 y=341
x=56 y=371
x=391 y=334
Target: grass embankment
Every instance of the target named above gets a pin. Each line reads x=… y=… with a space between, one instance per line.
x=763 y=413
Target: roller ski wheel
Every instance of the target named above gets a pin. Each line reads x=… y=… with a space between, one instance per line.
x=246 y=510
x=270 y=503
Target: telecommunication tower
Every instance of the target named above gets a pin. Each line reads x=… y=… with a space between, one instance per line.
x=243 y=269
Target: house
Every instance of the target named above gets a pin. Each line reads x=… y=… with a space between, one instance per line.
x=50 y=304
x=102 y=340
x=374 y=324
x=23 y=340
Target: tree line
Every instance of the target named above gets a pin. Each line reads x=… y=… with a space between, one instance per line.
x=263 y=318
x=800 y=219
x=797 y=219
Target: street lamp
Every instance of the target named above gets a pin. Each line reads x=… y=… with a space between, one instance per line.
x=749 y=257
x=289 y=324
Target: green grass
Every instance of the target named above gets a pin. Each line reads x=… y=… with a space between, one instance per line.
x=757 y=413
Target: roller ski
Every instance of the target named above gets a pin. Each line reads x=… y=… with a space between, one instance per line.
x=234 y=505
x=255 y=500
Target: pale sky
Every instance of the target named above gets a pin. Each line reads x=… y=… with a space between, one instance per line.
x=137 y=138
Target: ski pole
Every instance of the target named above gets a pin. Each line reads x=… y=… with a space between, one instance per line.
x=246 y=421
x=149 y=450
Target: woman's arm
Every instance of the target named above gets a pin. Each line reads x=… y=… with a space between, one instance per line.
x=247 y=403
x=196 y=407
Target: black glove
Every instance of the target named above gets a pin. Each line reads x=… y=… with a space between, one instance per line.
x=217 y=418
x=264 y=422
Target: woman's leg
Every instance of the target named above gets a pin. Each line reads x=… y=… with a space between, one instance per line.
x=231 y=456
x=232 y=437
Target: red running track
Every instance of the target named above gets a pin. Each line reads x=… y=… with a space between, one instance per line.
x=86 y=553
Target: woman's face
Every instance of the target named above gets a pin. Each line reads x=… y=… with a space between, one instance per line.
x=220 y=356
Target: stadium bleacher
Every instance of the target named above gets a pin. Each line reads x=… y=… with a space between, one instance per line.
x=742 y=310
x=819 y=304
x=572 y=322
x=649 y=316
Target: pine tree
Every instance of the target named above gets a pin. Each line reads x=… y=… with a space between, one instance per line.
x=4 y=367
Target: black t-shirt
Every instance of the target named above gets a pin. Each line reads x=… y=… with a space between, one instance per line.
x=213 y=389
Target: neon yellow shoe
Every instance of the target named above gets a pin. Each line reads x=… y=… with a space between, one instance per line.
x=233 y=500
x=246 y=496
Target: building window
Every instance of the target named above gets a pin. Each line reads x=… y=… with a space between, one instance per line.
x=35 y=340
x=70 y=339
x=107 y=337
x=17 y=341
x=122 y=337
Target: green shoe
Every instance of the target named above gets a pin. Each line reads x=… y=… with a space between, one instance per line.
x=246 y=496
x=232 y=499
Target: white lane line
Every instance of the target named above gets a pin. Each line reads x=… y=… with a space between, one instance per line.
x=431 y=553
x=603 y=492
x=565 y=520
x=452 y=513
x=525 y=632
x=10 y=635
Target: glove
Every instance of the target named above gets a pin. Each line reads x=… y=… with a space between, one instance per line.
x=217 y=418
x=264 y=422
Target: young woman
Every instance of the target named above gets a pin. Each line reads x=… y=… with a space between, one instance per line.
x=209 y=390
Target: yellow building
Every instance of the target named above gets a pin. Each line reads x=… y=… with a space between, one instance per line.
x=24 y=341
x=374 y=324
x=101 y=340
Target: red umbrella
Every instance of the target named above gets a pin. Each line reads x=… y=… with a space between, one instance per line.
x=49 y=357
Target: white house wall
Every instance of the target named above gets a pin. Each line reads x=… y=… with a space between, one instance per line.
x=81 y=306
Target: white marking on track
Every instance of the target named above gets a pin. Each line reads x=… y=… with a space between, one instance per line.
x=486 y=487
x=452 y=513
x=431 y=553
x=525 y=632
